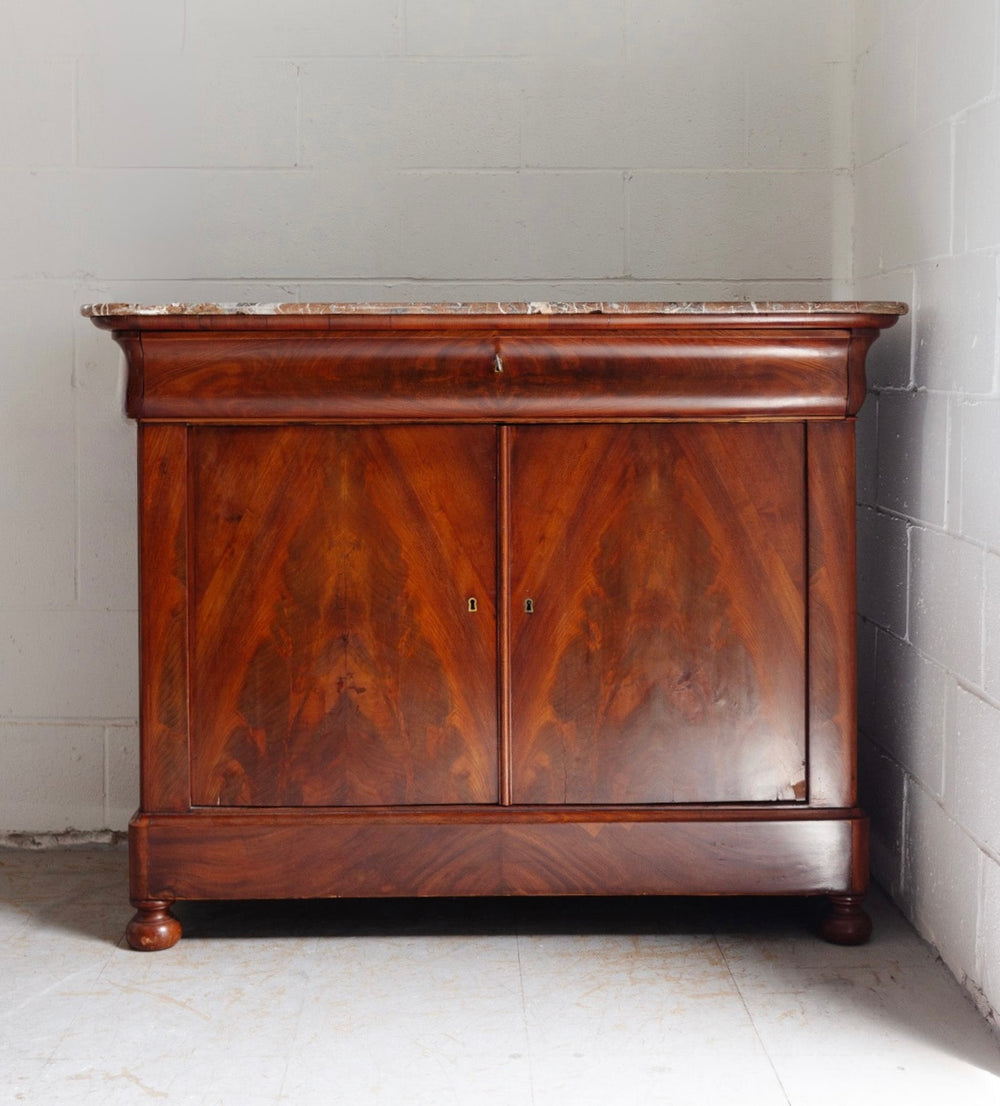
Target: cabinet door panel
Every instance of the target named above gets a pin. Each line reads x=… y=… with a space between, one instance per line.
x=335 y=660
x=664 y=658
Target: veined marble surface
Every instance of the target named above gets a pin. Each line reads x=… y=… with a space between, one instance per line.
x=539 y=307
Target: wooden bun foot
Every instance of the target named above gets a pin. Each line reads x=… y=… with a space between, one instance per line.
x=846 y=923
x=153 y=928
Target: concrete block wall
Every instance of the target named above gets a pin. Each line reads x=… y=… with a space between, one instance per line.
x=326 y=149
x=927 y=230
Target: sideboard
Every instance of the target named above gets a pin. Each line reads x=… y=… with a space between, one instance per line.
x=496 y=599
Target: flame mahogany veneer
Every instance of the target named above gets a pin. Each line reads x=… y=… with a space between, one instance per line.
x=496 y=604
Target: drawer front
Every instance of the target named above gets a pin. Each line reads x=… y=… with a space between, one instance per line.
x=490 y=377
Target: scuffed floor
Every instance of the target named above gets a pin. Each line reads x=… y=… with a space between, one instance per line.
x=469 y=1003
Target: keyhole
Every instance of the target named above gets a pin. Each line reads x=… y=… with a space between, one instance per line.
x=529 y=606
x=472 y=605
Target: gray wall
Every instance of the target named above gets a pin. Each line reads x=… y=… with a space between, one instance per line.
x=927 y=182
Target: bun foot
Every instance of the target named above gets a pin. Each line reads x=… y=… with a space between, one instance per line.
x=153 y=928
x=846 y=923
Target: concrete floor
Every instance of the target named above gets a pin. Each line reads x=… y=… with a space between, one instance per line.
x=535 y=1003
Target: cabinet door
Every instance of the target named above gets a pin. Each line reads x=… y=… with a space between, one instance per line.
x=663 y=659
x=334 y=656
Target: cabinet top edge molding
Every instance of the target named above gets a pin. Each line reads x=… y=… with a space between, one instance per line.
x=845 y=310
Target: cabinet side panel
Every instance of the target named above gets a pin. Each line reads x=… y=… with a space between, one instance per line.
x=663 y=658
x=832 y=606
x=163 y=617
x=344 y=603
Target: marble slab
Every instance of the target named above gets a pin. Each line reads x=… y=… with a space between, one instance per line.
x=734 y=307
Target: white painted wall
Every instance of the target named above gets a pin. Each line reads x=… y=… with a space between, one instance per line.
x=927 y=192
x=330 y=149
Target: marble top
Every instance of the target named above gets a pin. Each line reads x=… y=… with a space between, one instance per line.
x=733 y=307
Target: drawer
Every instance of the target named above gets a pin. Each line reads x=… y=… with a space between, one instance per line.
x=489 y=376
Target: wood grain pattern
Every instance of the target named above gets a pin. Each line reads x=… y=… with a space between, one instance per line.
x=665 y=658
x=833 y=694
x=428 y=377
x=334 y=657
x=190 y=857
x=163 y=655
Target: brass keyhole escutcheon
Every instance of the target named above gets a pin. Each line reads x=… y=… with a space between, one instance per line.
x=473 y=605
x=529 y=606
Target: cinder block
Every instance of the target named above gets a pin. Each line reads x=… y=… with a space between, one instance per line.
x=989 y=933
x=411 y=112
x=784 y=28
x=882 y=793
x=121 y=795
x=41 y=134
x=36 y=351
x=798 y=113
x=883 y=546
x=884 y=95
x=510 y=225
x=991 y=627
x=65 y=28
x=713 y=30
x=37 y=485
x=52 y=778
x=953 y=504
x=37 y=453
x=889 y=361
x=577 y=115
x=955 y=324
x=40 y=224
x=710 y=131
x=273 y=226
x=912 y=454
x=867 y=26
x=295 y=28
x=685 y=85
x=867 y=232
x=916 y=199
x=68 y=664
x=941 y=881
x=518 y=28
x=977 y=178
x=187 y=111
x=910 y=696
x=705 y=225
x=955 y=57
x=980 y=430
x=946 y=597
x=106 y=566
x=973 y=795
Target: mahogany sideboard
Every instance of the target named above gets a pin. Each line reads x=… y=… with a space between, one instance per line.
x=496 y=599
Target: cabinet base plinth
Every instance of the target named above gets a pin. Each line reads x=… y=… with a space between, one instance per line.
x=504 y=852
